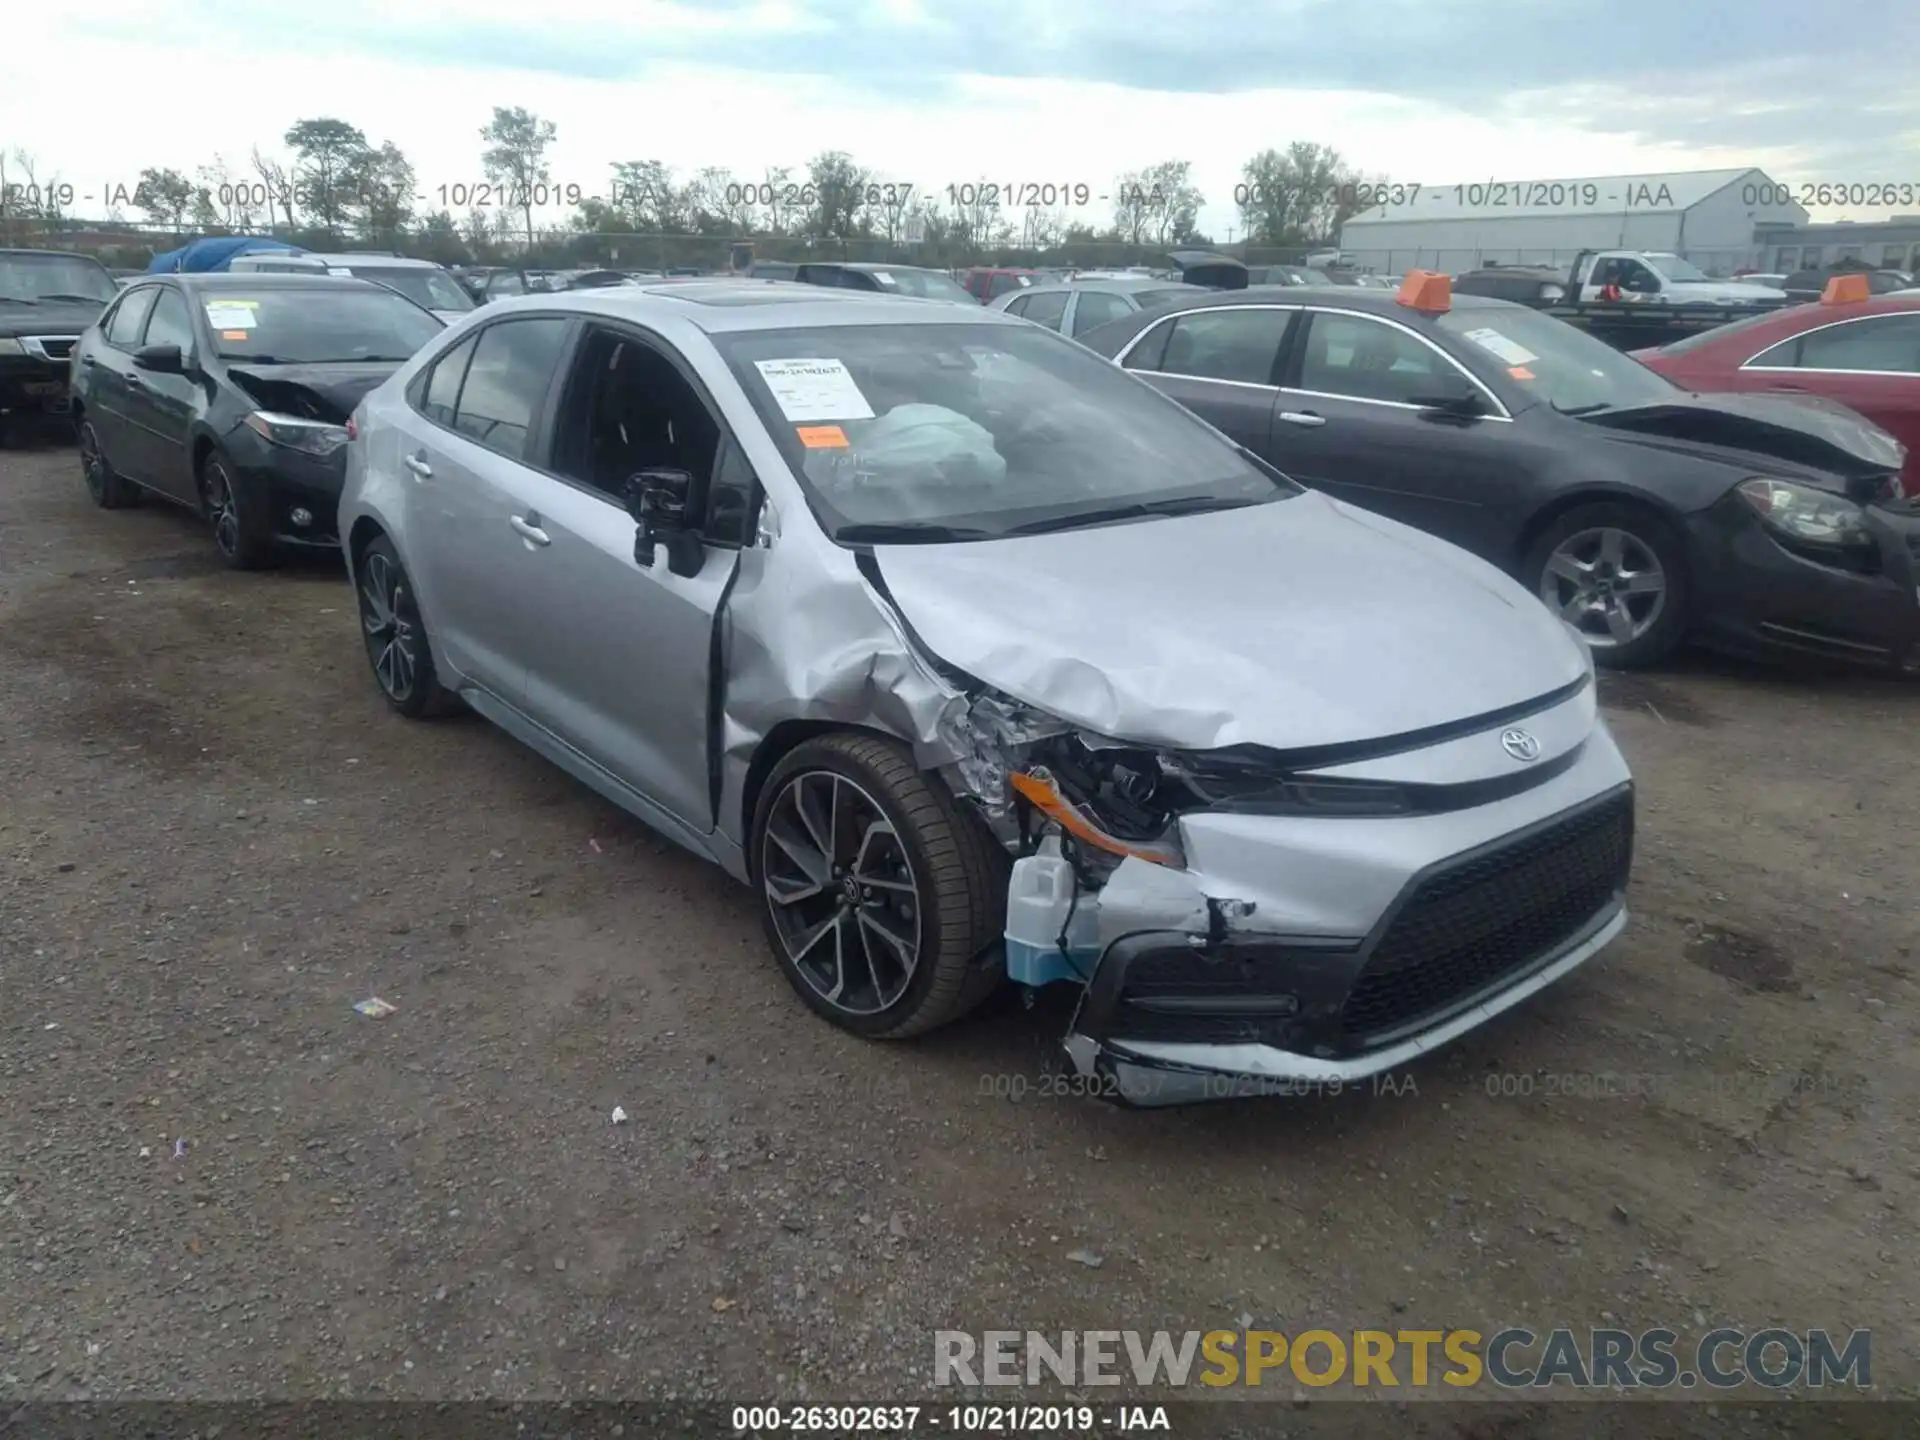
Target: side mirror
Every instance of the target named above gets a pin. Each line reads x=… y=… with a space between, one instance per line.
x=161 y=359
x=658 y=500
x=1462 y=404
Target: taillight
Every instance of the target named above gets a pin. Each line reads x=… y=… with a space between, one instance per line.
x=353 y=430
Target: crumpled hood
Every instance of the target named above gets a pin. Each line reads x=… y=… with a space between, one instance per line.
x=1296 y=624
x=316 y=392
x=1805 y=430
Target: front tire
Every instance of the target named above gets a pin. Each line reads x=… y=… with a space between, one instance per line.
x=1618 y=574
x=395 y=635
x=110 y=490
x=877 y=893
x=239 y=533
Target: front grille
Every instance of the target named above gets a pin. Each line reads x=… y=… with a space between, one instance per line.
x=1490 y=916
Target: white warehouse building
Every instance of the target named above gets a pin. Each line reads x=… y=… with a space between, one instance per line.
x=1721 y=220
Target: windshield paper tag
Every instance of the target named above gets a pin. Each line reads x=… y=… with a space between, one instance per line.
x=822 y=437
x=234 y=334
x=338 y=270
x=1498 y=345
x=884 y=278
x=231 y=314
x=810 y=389
x=1520 y=372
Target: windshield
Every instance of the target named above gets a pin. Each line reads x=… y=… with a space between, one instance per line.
x=1674 y=268
x=1552 y=361
x=926 y=284
x=434 y=289
x=315 y=325
x=942 y=432
x=34 y=278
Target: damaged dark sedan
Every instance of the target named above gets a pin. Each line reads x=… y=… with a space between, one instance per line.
x=230 y=394
x=1644 y=515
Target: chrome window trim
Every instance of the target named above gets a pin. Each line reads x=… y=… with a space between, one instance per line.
x=1753 y=361
x=1501 y=414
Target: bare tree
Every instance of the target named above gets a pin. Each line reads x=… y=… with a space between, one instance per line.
x=779 y=196
x=273 y=179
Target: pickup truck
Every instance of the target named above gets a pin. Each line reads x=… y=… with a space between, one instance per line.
x=1629 y=298
x=47 y=298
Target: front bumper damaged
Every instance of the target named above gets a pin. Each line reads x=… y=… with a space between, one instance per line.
x=1195 y=997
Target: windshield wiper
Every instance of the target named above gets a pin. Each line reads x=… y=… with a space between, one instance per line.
x=1137 y=510
x=94 y=298
x=909 y=532
x=16 y=300
x=1594 y=409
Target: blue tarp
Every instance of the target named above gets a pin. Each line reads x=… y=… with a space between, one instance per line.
x=203 y=256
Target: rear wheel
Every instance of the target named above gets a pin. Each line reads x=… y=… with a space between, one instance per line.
x=395 y=635
x=878 y=894
x=1617 y=574
x=109 y=489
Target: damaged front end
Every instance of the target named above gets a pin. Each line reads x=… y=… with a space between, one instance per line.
x=1241 y=926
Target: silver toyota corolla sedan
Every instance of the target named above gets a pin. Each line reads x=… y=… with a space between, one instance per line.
x=979 y=660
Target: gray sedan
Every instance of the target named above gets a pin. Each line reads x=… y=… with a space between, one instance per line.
x=1077 y=306
x=979 y=660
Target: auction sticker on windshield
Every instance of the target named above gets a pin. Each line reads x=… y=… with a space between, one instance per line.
x=808 y=390
x=232 y=314
x=822 y=437
x=1499 y=346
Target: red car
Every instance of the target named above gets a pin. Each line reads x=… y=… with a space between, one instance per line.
x=1863 y=353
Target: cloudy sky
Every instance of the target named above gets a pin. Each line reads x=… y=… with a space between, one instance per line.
x=937 y=91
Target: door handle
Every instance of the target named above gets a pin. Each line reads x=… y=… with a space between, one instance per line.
x=88 y=361
x=418 y=465
x=528 y=529
x=1303 y=417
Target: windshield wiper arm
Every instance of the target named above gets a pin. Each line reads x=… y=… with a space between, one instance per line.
x=1137 y=510
x=1594 y=409
x=95 y=298
x=909 y=532
x=16 y=300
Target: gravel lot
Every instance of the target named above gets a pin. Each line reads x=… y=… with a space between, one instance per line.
x=219 y=1181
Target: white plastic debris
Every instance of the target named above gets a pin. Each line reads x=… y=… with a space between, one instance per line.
x=146 y=1152
x=1086 y=1258
x=374 y=1008
x=619 y=1116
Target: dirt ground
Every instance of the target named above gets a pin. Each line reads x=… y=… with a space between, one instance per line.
x=217 y=1180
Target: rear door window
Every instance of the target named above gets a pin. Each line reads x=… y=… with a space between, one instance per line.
x=1237 y=345
x=1048 y=308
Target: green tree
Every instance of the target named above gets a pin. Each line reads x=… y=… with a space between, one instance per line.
x=516 y=156
x=1295 y=196
x=839 y=196
x=382 y=186
x=327 y=153
x=166 y=195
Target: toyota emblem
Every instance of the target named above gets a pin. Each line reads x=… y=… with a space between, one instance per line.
x=1520 y=745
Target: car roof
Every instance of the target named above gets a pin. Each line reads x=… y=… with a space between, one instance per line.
x=869 y=266
x=361 y=257
x=1337 y=297
x=270 y=280
x=1795 y=318
x=721 y=305
x=1131 y=285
